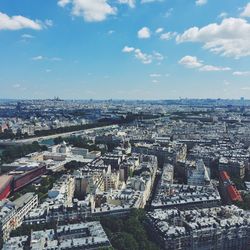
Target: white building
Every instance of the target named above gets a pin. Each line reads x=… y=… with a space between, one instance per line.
x=89 y=235
x=199 y=175
x=13 y=213
x=63 y=190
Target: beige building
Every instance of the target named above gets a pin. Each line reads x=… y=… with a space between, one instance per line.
x=13 y=213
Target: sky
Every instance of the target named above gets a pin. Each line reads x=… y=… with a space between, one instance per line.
x=124 y=49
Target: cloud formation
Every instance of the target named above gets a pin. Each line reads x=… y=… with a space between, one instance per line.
x=63 y=3
x=200 y=2
x=18 y=23
x=143 y=57
x=168 y=35
x=193 y=62
x=159 y=30
x=214 y=68
x=37 y=58
x=144 y=33
x=190 y=62
x=127 y=49
x=150 y=1
x=246 y=11
x=241 y=73
x=16 y=86
x=229 y=38
x=155 y=75
x=90 y=10
x=27 y=36
x=40 y=58
x=130 y=3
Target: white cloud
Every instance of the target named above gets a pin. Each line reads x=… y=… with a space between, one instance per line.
x=143 y=57
x=110 y=32
x=18 y=22
x=127 y=49
x=93 y=10
x=150 y=1
x=159 y=30
x=155 y=75
x=223 y=15
x=130 y=3
x=230 y=38
x=48 y=23
x=155 y=81
x=56 y=59
x=168 y=35
x=246 y=11
x=165 y=36
x=27 y=36
x=158 y=56
x=63 y=3
x=194 y=62
x=90 y=10
x=214 y=68
x=16 y=86
x=144 y=33
x=37 y=58
x=169 y=12
x=190 y=62
x=245 y=88
x=201 y=2
x=241 y=73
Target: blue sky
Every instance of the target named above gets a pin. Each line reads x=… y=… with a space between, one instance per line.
x=125 y=49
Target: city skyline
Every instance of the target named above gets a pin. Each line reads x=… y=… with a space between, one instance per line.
x=124 y=49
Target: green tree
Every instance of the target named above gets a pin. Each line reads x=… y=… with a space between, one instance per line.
x=124 y=241
x=130 y=228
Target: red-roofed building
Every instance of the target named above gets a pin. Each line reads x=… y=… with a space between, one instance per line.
x=224 y=176
x=234 y=193
x=5 y=186
x=228 y=191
